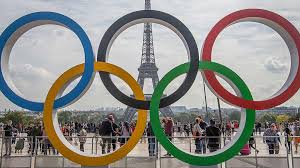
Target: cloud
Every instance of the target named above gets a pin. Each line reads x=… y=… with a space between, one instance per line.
x=274 y=65
x=44 y=54
x=32 y=82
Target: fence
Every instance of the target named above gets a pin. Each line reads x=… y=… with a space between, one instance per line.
x=38 y=152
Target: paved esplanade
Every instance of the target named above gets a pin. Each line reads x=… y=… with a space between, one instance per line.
x=139 y=157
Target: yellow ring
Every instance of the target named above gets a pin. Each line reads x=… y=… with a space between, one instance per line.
x=63 y=146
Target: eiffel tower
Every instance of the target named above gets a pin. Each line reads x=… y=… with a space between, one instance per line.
x=147 y=69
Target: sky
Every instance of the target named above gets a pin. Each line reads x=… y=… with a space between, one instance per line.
x=254 y=51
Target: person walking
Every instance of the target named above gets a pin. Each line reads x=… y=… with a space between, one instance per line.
x=8 y=132
x=288 y=138
x=252 y=142
x=270 y=137
x=213 y=135
x=297 y=137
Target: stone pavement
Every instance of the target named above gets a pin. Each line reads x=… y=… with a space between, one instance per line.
x=138 y=157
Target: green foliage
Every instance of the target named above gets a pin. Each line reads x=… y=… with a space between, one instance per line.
x=295 y=117
x=185 y=117
x=18 y=118
x=86 y=117
x=282 y=118
x=268 y=117
x=64 y=117
x=235 y=115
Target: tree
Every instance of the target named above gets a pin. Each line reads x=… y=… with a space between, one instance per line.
x=268 y=117
x=182 y=117
x=15 y=117
x=282 y=118
x=235 y=115
x=18 y=117
x=64 y=117
x=295 y=117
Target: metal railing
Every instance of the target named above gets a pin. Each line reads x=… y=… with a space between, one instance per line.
x=38 y=152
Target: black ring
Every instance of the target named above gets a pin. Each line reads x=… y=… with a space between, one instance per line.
x=144 y=16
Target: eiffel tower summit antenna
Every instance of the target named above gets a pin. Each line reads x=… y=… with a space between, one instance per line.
x=147 y=68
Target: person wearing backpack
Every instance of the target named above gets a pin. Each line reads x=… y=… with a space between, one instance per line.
x=197 y=133
x=105 y=132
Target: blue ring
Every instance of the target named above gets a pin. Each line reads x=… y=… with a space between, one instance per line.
x=88 y=54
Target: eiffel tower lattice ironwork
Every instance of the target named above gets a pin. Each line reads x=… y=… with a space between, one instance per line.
x=148 y=68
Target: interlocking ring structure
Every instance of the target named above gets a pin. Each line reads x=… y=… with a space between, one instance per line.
x=209 y=69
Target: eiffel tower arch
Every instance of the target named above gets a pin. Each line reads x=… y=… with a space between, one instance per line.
x=147 y=69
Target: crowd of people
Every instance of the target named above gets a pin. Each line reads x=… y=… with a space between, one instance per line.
x=111 y=135
x=291 y=132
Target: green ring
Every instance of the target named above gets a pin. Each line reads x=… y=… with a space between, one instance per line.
x=187 y=157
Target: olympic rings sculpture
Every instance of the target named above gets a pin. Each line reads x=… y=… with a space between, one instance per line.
x=209 y=69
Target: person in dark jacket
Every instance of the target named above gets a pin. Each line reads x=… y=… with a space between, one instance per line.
x=203 y=126
x=8 y=131
x=213 y=135
x=35 y=132
x=270 y=137
x=106 y=131
x=252 y=142
x=151 y=140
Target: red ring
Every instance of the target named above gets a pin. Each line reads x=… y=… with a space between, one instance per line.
x=211 y=79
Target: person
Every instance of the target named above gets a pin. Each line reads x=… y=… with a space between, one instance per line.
x=203 y=126
x=280 y=128
x=197 y=132
x=8 y=131
x=223 y=129
x=232 y=127
x=115 y=133
x=106 y=132
x=297 y=137
x=47 y=144
x=228 y=129
x=252 y=142
x=277 y=142
x=151 y=140
x=270 y=137
x=168 y=127
x=288 y=138
x=14 y=134
x=125 y=133
x=82 y=138
x=258 y=128
x=186 y=128
x=213 y=135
